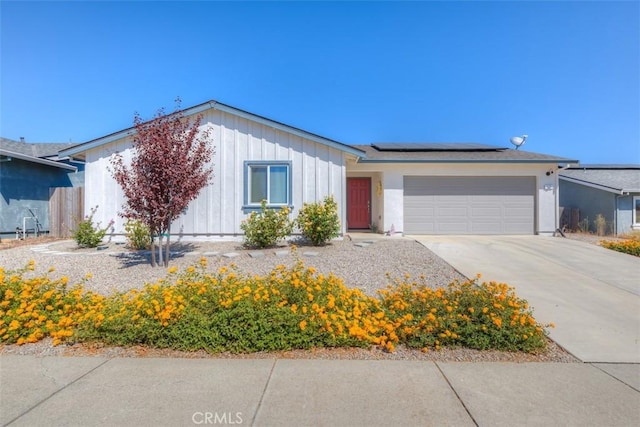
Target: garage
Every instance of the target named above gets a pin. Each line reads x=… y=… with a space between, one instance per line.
x=469 y=204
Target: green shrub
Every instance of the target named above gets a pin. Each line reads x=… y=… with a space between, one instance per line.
x=319 y=222
x=265 y=228
x=138 y=235
x=88 y=235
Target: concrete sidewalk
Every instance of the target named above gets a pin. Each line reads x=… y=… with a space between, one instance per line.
x=592 y=294
x=87 y=391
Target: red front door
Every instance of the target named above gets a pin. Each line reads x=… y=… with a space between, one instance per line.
x=358 y=203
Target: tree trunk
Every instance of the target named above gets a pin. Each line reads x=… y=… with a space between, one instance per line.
x=153 y=250
x=168 y=251
x=160 y=261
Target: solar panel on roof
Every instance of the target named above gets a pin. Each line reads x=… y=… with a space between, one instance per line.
x=434 y=146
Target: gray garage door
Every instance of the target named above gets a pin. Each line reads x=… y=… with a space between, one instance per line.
x=469 y=205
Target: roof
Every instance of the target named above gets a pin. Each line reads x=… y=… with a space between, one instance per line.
x=452 y=153
x=434 y=146
x=605 y=166
x=81 y=148
x=618 y=179
x=42 y=149
x=34 y=153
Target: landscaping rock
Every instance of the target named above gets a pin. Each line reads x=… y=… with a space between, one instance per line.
x=231 y=255
x=256 y=254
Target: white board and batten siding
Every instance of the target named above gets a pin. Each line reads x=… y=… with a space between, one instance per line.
x=317 y=171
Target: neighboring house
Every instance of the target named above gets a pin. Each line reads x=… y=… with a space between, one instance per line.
x=422 y=189
x=27 y=172
x=612 y=191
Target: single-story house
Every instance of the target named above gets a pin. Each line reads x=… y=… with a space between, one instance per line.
x=403 y=188
x=28 y=172
x=612 y=191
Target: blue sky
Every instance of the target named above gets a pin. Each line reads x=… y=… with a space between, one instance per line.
x=566 y=73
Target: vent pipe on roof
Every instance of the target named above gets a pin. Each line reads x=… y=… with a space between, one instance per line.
x=22 y=139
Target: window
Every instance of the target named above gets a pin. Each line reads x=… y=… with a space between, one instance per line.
x=270 y=181
x=636 y=211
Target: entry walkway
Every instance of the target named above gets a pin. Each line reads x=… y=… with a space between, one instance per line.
x=92 y=391
x=592 y=294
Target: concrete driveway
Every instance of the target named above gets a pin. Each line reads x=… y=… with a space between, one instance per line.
x=592 y=294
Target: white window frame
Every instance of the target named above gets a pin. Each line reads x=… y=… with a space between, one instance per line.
x=252 y=204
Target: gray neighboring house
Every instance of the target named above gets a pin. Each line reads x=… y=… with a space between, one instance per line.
x=610 y=190
x=27 y=172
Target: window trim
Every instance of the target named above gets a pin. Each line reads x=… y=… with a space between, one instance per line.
x=635 y=221
x=247 y=183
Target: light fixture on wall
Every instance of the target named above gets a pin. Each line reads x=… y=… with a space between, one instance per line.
x=379 y=188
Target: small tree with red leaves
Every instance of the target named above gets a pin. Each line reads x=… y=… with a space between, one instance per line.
x=169 y=167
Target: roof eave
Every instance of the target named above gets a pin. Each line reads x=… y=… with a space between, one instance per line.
x=595 y=185
x=89 y=145
x=37 y=160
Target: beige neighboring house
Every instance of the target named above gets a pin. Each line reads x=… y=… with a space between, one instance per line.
x=420 y=188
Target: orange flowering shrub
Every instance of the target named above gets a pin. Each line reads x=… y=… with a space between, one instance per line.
x=289 y=308
x=627 y=246
x=468 y=314
x=32 y=309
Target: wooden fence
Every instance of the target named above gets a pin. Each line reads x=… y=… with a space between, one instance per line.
x=66 y=208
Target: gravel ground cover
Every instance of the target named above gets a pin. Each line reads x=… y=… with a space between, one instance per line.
x=365 y=263
x=113 y=267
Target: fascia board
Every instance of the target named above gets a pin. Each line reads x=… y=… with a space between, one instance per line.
x=81 y=148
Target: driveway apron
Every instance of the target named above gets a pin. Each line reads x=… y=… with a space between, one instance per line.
x=592 y=294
